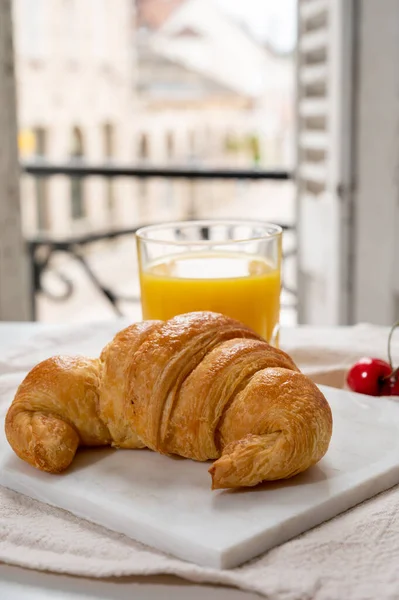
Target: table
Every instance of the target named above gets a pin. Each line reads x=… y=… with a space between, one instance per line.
x=23 y=584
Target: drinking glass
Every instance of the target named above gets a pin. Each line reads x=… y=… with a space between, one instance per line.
x=227 y=266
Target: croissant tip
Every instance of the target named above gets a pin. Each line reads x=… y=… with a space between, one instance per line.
x=214 y=485
x=211 y=472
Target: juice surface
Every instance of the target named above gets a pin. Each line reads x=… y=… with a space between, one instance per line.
x=241 y=286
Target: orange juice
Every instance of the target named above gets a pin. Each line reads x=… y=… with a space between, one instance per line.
x=241 y=286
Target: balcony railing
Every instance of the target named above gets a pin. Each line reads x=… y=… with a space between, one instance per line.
x=42 y=169
x=42 y=247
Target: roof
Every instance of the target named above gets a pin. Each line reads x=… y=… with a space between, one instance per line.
x=163 y=78
x=152 y=14
x=202 y=38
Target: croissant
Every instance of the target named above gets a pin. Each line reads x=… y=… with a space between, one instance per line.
x=200 y=385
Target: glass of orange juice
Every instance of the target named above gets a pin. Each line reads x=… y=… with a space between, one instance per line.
x=232 y=267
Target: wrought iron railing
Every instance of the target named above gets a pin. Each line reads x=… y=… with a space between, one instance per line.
x=42 y=248
x=75 y=169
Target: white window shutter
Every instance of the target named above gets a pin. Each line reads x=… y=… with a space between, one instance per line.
x=324 y=165
x=376 y=239
x=14 y=301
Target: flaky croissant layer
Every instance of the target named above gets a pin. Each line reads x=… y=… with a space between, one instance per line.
x=200 y=385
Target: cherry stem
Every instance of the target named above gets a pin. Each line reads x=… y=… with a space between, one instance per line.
x=393 y=328
x=391 y=375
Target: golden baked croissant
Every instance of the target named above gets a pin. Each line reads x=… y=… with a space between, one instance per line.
x=200 y=385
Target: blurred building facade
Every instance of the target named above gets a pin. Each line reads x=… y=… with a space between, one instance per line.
x=149 y=82
x=200 y=70
x=75 y=65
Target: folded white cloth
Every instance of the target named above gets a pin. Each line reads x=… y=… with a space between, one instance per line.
x=353 y=557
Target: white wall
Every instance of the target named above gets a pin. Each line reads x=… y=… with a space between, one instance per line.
x=14 y=300
x=376 y=233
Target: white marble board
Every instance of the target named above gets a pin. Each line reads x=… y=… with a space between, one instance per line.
x=168 y=504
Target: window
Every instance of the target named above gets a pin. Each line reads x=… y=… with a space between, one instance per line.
x=43 y=221
x=100 y=11
x=192 y=145
x=169 y=184
x=32 y=38
x=143 y=148
x=143 y=152
x=71 y=29
x=108 y=140
x=109 y=145
x=77 y=186
x=170 y=146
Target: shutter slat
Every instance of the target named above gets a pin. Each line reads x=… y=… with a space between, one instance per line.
x=313 y=74
x=313 y=107
x=313 y=40
x=313 y=140
x=309 y=10
x=315 y=172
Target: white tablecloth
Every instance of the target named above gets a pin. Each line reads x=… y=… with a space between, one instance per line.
x=354 y=556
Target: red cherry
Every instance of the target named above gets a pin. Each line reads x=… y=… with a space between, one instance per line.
x=369 y=376
x=391 y=386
